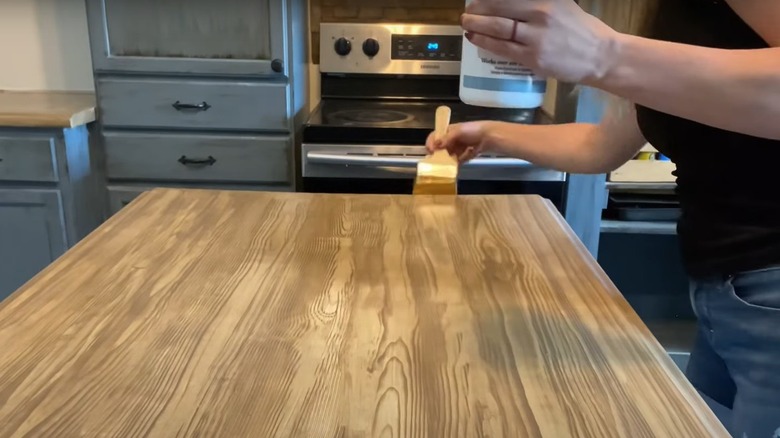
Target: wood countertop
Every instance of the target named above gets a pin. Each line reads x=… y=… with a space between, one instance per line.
x=46 y=109
x=207 y=313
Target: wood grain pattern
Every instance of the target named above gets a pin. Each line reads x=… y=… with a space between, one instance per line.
x=237 y=314
x=46 y=109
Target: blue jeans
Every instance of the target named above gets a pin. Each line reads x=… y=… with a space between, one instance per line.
x=736 y=359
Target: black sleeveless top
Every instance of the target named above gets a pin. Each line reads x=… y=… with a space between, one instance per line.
x=728 y=183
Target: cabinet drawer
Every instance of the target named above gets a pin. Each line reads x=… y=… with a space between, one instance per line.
x=171 y=103
x=27 y=159
x=188 y=157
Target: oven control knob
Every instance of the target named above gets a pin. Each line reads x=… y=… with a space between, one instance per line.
x=371 y=47
x=343 y=46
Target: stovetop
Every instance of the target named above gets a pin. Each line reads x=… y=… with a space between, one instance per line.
x=397 y=122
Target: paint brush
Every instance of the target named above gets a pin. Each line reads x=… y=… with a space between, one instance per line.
x=437 y=174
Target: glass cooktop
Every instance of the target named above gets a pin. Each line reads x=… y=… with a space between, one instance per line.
x=407 y=114
x=404 y=122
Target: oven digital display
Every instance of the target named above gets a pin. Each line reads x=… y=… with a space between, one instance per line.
x=427 y=47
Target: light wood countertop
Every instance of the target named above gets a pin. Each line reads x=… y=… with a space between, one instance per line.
x=206 y=313
x=46 y=109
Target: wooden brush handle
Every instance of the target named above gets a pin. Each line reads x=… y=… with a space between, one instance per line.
x=443 y=116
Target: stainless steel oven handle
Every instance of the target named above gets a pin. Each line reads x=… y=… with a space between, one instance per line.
x=504 y=163
x=361 y=160
x=400 y=161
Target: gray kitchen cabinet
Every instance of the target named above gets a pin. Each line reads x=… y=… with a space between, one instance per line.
x=198 y=157
x=193 y=104
x=203 y=37
x=30 y=159
x=50 y=198
x=32 y=234
x=199 y=94
x=58 y=159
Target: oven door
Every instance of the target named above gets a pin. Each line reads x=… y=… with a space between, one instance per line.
x=391 y=169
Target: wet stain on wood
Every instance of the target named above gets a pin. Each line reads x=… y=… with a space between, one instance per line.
x=205 y=313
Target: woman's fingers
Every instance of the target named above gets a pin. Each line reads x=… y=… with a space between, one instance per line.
x=468 y=154
x=496 y=27
x=463 y=140
x=432 y=144
x=513 y=9
x=507 y=49
x=451 y=141
x=554 y=38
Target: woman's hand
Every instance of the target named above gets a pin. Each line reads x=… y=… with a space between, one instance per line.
x=551 y=37
x=464 y=140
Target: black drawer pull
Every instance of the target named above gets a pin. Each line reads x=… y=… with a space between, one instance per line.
x=196 y=162
x=203 y=106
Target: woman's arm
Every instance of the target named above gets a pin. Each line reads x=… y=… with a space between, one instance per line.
x=737 y=90
x=574 y=148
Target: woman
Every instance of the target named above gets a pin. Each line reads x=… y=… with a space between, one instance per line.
x=705 y=91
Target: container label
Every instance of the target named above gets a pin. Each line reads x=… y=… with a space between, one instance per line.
x=486 y=63
x=492 y=73
x=501 y=66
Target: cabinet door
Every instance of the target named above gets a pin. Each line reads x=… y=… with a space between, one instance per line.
x=243 y=37
x=32 y=235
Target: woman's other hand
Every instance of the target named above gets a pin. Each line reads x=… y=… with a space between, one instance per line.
x=463 y=140
x=554 y=38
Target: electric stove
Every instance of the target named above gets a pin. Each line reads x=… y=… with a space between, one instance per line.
x=381 y=85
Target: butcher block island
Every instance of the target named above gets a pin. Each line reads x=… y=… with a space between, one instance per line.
x=238 y=314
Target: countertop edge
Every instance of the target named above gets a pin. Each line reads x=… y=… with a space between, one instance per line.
x=674 y=374
x=47 y=109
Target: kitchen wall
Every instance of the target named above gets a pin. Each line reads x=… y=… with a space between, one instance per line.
x=44 y=45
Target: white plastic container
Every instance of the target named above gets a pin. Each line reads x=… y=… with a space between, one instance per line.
x=491 y=81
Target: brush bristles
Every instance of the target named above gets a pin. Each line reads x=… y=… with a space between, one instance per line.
x=432 y=185
x=437 y=175
x=438 y=170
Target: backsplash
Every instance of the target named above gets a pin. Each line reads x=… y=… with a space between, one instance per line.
x=377 y=11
